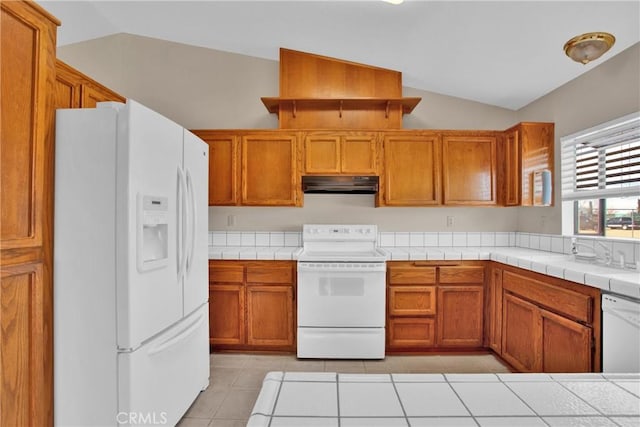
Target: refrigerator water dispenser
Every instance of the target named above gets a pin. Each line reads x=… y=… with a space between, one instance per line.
x=152 y=231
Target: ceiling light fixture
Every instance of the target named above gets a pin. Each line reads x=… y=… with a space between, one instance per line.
x=587 y=47
x=394 y=1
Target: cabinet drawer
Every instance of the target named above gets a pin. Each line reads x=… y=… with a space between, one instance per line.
x=412 y=300
x=563 y=301
x=411 y=332
x=226 y=273
x=459 y=274
x=282 y=274
x=412 y=275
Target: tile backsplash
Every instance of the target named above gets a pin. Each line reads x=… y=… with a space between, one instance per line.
x=255 y=238
x=619 y=248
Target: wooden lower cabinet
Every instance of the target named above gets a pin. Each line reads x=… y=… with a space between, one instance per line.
x=493 y=313
x=270 y=315
x=412 y=300
x=435 y=306
x=549 y=325
x=460 y=316
x=252 y=305
x=226 y=313
x=520 y=334
x=411 y=332
x=566 y=345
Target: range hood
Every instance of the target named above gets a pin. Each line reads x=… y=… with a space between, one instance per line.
x=340 y=184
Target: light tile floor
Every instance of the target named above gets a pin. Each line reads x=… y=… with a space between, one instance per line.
x=236 y=379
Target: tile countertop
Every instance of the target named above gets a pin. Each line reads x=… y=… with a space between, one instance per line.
x=620 y=281
x=330 y=399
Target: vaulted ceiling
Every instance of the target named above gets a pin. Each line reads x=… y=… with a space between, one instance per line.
x=503 y=53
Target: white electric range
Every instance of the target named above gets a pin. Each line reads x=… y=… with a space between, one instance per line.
x=341 y=293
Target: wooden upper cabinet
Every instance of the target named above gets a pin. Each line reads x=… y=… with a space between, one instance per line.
x=411 y=174
x=526 y=149
x=511 y=164
x=223 y=166
x=77 y=90
x=319 y=92
x=269 y=173
x=340 y=153
x=469 y=170
x=252 y=168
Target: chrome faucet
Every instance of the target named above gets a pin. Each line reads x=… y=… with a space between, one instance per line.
x=606 y=252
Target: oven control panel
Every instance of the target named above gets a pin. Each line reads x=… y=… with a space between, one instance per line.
x=329 y=232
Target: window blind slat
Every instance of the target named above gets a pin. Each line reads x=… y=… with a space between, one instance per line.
x=603 y=161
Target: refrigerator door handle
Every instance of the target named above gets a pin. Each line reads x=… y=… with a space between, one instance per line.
x=176 y=339
x=182 y=243
x=194 y=221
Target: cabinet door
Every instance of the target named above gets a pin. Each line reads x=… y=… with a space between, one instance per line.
x=512 y=167
x=269 y=170
x=322 y=154
x=23 y=350
x=412 y=300
x=537 y=153
x=67 y=92
x=411 y=332
x=411 y=170
x=91 y=94
x=469 y=170
x=494 y=311
x=460 y=316
x=226 y=313
x=27 y=76
x=223 y=170
x=521 y=334
x=270 y=315
x=566 y=345
x=411 y=274
x=358 y=154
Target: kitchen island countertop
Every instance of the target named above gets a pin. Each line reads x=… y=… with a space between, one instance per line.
x=331 y=399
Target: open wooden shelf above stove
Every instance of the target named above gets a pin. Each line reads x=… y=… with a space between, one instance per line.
x=274 y=104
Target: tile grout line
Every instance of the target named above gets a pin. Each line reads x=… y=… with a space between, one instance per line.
x=393 y=383
x=338 y=398
x=275 y=402
x=583 y=400
x=522 y=400
x=460 y=399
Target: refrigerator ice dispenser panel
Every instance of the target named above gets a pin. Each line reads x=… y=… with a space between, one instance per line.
x=152 y=231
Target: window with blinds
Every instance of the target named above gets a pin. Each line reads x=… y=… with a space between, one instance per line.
x=602 y=162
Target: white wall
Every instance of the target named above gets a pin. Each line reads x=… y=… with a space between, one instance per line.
x=203 y=88
x=610 y=90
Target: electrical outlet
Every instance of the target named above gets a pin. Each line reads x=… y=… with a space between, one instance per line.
x=450 y=221
x=231 y=220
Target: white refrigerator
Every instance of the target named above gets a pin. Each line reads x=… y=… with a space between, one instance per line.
x=131 y=316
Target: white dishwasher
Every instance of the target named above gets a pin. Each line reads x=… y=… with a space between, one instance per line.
x=620 y=334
